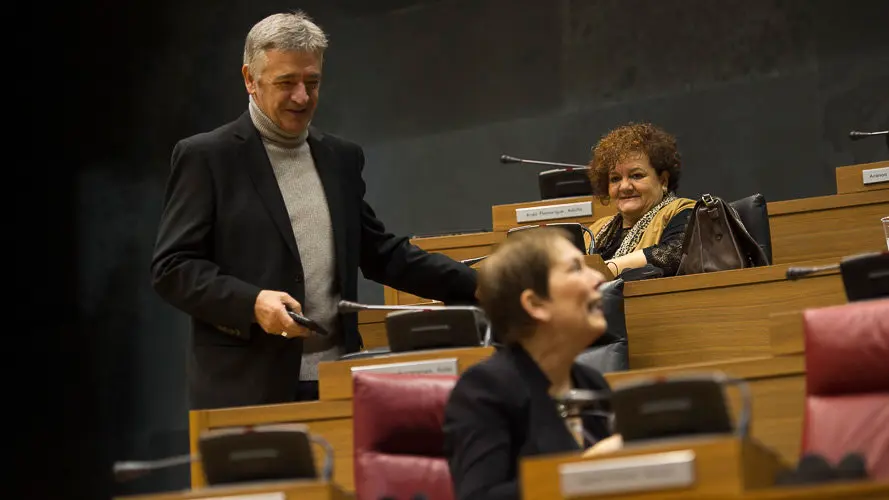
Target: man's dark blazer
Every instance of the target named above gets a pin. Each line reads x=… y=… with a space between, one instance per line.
x=225 y=234
x=499 y=411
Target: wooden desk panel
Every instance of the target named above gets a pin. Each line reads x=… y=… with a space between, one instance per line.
x=828 y=226
x=372 y=327
x=716 y=316
x=777 y=387
x=786 y=334
x=724 y=466
x=331 y=420
x=503 y=216
x=457 y=247
x=335 y=377
x=850 y=180
x=857 y=490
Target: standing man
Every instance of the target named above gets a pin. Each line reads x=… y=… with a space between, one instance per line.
x=267 y=213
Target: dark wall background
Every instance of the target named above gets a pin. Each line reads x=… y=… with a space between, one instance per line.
x=761 y=95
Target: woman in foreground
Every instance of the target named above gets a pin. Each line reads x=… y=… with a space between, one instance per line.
x=542 y=301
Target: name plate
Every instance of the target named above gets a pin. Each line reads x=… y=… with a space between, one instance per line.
x=446 y=366
x=253 y=496
x=550 y=212
x=675 y=469
x=875 y=175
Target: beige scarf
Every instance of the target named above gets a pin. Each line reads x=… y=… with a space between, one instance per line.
x=647 y=230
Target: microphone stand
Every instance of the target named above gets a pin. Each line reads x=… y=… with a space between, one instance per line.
x=125 y=471
x=794 y=273
x=857 y=135
x=513 y=159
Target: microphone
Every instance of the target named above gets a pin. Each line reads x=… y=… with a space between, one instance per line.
x=856 y=135
x=799 y=272
x=865 y=276
x=347 y=306
x=513 y=159
x=126 y=471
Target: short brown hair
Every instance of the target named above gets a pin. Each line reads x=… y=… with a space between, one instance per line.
x=520 y=263
x=628 y=140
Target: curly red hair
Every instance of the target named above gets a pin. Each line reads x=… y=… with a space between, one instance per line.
x=627 y=141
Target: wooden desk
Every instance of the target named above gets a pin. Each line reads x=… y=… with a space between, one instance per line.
x=850 y=180
x=335 y=377
x=503 y=217
x=716 y=316
x=776 y=384
x=777 y=387
x=289 y=490
x=332 y=420
x=786 y=333
x=833 y=226
x=372 y=327
x=596 y=262
x=723 y=466
x=457 y=247
x=725 y=469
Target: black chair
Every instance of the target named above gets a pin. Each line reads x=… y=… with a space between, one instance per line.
x=754 y=215
x=610 y=352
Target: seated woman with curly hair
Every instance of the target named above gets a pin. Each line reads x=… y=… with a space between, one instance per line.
x=637 y=166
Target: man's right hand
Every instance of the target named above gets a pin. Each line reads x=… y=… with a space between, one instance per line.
x=270 y=311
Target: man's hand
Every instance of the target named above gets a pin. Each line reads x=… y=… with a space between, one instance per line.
x=607 y=445
x=270 y=311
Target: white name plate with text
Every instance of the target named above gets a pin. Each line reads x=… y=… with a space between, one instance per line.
x=875 y=175
x=252 y=496
x=550 y=212
x=447 y=366
x=658 y=471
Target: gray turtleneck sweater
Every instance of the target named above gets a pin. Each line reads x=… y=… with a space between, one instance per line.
x=306 y=204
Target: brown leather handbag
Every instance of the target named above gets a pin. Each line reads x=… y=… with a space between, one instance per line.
x=716 y=240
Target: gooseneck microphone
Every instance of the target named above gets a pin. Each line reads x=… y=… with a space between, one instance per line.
x=347 y=306
x=513 y=159
x=799 y=272
x=856 y=135
x=126 y=471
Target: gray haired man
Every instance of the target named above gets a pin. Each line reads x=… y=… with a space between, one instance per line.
x=266 y=214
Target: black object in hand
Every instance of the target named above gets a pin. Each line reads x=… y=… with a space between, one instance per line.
x=308 y=323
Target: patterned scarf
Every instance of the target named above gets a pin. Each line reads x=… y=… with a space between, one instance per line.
x=612 y=227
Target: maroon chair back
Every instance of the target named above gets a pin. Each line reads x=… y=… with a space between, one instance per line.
x=847 y=383
x=399 y=444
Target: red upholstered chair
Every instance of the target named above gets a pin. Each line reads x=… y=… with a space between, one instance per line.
x=398 y=436
x=847 y=383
